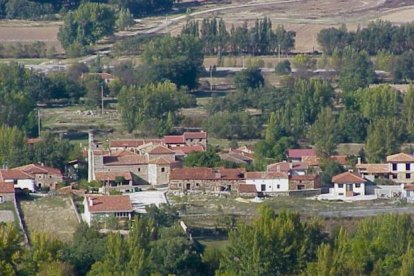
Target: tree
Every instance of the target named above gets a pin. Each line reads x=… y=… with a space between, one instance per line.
x=86 y=25
x=178 y=59
x=13 y=147
x=208 y=158
x=356 y=70
x=124 y=19
x=408 y=112
x=250 y=78
x=271 y=245
x=10 y=248
x=153 y=105
x=283 y=68
x=384 y=138
x=323 y=133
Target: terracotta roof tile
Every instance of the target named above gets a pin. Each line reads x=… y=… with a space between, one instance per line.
x=279 y=167
x=231 y=174
x=133 y=143
x=162 y=161
x=111 y=176
x=373 y=168
x=174 y=139
x=347 y=177
x=14 y=174
x=187 y=149
x=160 y=150
x=247 y=189
x=104 y=204
x=38 y=169
x=125 y=160
x=400 y=157
x=340 y=159
x=6 y=188
x=192 y=173
x=409 y=187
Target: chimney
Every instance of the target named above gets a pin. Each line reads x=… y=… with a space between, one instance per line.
x=90 y=199
x=359 y=160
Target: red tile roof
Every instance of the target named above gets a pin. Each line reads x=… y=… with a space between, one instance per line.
x=125 y=160
x=160 y=150
x=266 y=175
x=133 y=143
x=187 y=149
x=192 y=173
x=373 y=168
x=162 y=161
x=195 y=135
x=6 y=188
x=299 y=153
x=14 y=174
x=201 y=173
x=111 y=176
x=38 y=169
x=400 y=157
x=340 y=159
x=279 y=167
x=174 y=139
x=409 y=187
x=232 y=174
x=347 y=178
x=247 y=189
x=109 y=204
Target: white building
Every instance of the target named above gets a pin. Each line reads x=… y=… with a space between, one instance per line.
x=98 y=208
x=268 y=182
x=19 y=178
x=348 y=184
x=402 y=167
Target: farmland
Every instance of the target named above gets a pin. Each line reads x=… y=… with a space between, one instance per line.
x=51 y=215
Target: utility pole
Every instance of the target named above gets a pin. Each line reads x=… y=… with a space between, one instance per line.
x=279 y=51
x=211 y=78
x=102 y=99
x=38 y=121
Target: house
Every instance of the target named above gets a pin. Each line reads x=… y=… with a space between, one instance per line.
x=99 y=208
x=238 y=157
x=401 y=167
x=43 y=176
x=290 y=168
x=6 y=192
x=408 y=192
x=348 y=184
x=196 y=138
x=373 y=172
x=268 y=182
x=173 y=141
x=183 y=151
x=304 y=182
x=132 y=144
x=19 y=178
x=122 y=181
x=202 y=179
x=247 y=190
x=297 y=155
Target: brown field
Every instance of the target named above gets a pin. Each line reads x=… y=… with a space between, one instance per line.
x=23 y=32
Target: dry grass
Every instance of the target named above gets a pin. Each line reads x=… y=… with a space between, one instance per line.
x=51 y=215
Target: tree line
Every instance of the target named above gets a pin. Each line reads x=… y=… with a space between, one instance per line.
x=376 y=37
x=46 y=9
x=259 y=39
x=271 y=244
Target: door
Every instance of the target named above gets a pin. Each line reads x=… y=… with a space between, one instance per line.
x=263 y=188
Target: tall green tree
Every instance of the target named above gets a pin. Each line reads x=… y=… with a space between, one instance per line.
x=323 y=133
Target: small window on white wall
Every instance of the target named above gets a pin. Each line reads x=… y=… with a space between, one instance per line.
x=278 y=186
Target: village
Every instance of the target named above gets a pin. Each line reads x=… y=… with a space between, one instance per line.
x=136 y=173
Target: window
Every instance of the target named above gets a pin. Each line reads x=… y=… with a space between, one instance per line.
x=263 y=188
x=139 y=169
x=162 y=169
x=408 y=175
x=200 y=139
x=407 y=166
x=394 y=166
x=357 y=185
x=340 y=185
x=188 y=186
x=197 y=184
x=301 y=187
x=394 y=176
x=1 y=199
x=50 y=176
x=278 y=186
x=15 y=181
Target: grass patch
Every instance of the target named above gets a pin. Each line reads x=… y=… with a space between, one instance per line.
x=25 y=61
x=51 y=215
x=219 y=244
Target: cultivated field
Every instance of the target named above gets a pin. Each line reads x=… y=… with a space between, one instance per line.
x=51 y=215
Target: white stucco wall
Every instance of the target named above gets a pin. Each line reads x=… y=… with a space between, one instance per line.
x=271 y=184
x=86 y=213
x=152 y=174
x=342 y=191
